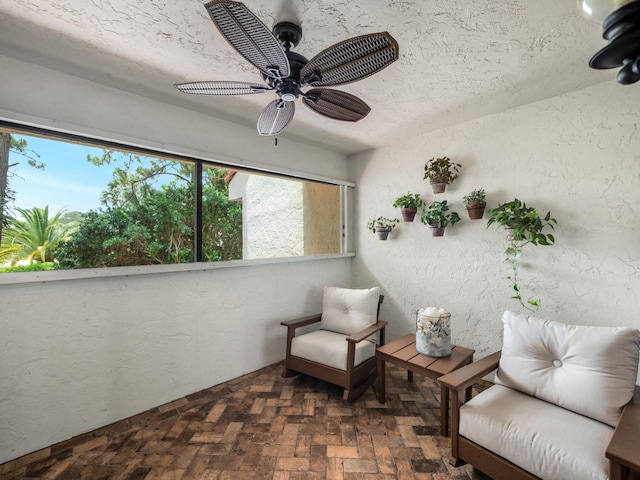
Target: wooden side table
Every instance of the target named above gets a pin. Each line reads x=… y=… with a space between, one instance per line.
x=403 y=353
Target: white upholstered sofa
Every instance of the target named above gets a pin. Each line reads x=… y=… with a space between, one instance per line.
x=562 y=407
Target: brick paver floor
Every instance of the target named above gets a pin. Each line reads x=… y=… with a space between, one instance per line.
x=261 y=426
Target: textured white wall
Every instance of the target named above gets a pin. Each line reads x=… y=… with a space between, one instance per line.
x=77 y=355
x=577 y=155
x=272 y=218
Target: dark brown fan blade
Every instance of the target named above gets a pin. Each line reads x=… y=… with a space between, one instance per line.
x=351 y=60
x=250 y=37
x=275 y=117
x=336 y=104
x=221 y=88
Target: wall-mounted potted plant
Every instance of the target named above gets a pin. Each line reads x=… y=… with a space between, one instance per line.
x=475 y=203
x=409 y=203
x=440 y=172
x=437 y=218
x=524 y=226
x=382 y=226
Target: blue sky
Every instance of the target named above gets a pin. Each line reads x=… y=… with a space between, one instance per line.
x=68 y=180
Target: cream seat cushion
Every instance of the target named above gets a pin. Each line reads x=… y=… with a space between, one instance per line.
x=329 y=348
x=589 y=370
x=543 y=439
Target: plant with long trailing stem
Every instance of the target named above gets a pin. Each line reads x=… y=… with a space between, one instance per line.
x=525 y=227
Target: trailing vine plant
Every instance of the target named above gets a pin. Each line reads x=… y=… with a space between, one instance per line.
x=524 y=226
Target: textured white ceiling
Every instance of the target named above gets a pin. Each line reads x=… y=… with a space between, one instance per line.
x=459 y=59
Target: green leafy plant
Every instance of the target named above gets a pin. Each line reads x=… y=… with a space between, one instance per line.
x=158 y=230
x=33 y=267
x=436 y=215
x=526 y=227
x=408 y=200
x=476 y=196
x=383 y=223
x=526 y=223
x=441 y=170
x=33 y=235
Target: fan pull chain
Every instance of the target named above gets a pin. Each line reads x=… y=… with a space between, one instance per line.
x=276 y=141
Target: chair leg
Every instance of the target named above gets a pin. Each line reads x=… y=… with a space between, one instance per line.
x=286 y=373
x=381 y=380
x=357 y=391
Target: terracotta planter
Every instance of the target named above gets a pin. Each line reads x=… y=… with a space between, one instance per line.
x=476 y=210
x=438 y=185
x=408 y=214
x=382 y=232
x=437 y=231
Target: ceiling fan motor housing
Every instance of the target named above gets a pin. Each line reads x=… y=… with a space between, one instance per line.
x=287 y=33
x=289 y=88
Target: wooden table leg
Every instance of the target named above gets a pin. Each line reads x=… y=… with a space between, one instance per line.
x=444 y=411
x=381 y=381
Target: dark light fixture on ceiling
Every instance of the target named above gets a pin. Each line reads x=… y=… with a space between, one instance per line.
x=621 y=27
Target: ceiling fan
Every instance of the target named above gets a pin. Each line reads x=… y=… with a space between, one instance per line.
x=288 y=74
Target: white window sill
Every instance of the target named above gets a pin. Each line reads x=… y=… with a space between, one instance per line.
x=62 y=275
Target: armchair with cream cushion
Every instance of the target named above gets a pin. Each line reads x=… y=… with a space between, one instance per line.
x=562 y=407
x=342 y=350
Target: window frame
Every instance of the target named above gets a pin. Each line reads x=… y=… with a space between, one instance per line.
x=346 y=244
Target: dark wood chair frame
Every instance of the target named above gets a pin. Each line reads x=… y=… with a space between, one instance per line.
x=622 y=451
x=357 y=378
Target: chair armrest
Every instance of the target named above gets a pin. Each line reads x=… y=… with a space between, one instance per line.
x=302 y=322
x=466 y=376
x=367 y=332
x=623 y=447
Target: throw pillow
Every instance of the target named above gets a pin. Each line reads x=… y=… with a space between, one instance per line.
x=347 y=311
x=588 y=370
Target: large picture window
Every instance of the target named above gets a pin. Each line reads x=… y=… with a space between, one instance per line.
x=70 y=204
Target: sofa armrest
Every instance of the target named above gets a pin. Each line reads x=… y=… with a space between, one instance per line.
x=367 y=332
x=302 y=322
x=460 y=382
x=292 y=325
x=466 y=376
x=623 y=452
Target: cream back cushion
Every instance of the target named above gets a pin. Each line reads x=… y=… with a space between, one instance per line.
x=347 y=311
x=588 y=370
